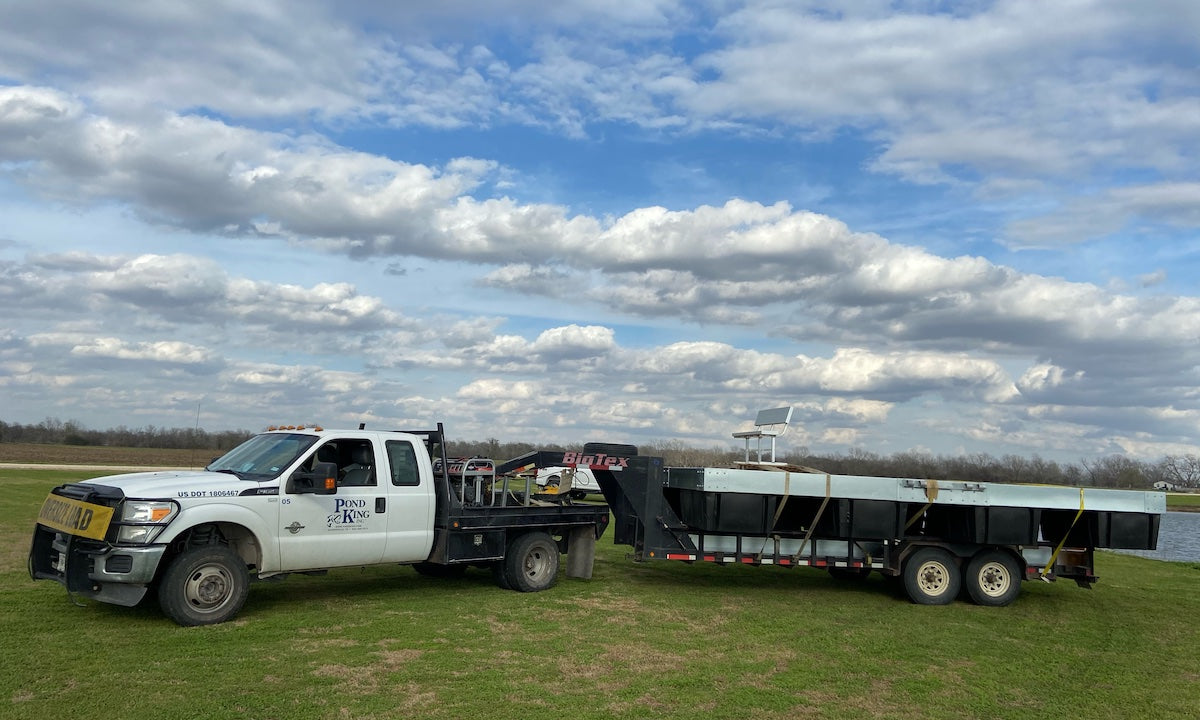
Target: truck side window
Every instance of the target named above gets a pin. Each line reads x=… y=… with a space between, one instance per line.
x=404 y=463
x=361 y=470
x=326 y=453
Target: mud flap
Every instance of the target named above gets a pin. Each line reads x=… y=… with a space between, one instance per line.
x=581 y=552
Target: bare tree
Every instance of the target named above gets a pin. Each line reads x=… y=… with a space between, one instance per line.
x=1114 y=471
x=1181 y=470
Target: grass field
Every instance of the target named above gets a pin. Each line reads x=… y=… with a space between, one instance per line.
x=1178 y=501
x=662 y=640
x=97 y=455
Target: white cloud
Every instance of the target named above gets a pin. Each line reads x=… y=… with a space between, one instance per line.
x=265 y=139
x=1044 y=377
x=858 y=409
x=223 y=55
x=859 y=370
x=840 y=436
x=1151 y=279
x=162 y=351
x=1004 y=87
x=1088 y=217
x=574 y=342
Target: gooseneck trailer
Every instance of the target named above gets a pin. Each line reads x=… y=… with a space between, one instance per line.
x=938 y=537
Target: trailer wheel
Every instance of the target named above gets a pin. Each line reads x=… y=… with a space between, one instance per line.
x=204 y=586
x=931 y=577
x=532 y=562
x=993 y=578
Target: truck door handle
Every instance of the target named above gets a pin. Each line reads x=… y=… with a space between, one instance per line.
x=380 y=505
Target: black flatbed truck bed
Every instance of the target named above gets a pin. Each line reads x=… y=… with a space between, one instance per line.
x=476 y=525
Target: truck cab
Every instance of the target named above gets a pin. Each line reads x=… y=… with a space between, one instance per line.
x=287 y=500
x=381 y=509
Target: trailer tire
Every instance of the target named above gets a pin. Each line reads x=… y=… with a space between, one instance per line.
x=532 y=562
x=204 y=585
x=932 y=577
x=993 y=578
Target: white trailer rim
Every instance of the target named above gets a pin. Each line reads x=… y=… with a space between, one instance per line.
x=933 y=578
x=994 y=579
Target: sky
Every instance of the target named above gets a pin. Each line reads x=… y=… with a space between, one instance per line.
x=950 y=228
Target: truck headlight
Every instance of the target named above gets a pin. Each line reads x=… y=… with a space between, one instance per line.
x=143 y=520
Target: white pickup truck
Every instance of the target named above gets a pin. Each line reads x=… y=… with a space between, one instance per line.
x=304 y=500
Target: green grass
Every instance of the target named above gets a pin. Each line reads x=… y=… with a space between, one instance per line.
x=658 y=640
x=1180 y=501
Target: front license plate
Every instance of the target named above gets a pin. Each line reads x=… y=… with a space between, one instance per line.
x=75 y=517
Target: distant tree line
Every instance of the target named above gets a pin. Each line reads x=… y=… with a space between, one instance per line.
x=53 y=431
x=1112 y=471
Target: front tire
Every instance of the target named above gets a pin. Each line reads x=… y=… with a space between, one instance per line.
x=932 y=577
x=532 y=562
x=993 y=578
x=203 y=586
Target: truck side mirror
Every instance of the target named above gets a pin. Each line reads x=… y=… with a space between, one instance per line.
x=322 y=480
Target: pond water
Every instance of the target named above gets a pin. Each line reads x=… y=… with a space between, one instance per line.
x=1178 y=538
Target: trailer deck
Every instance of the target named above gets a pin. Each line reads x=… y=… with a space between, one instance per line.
x=757 y=498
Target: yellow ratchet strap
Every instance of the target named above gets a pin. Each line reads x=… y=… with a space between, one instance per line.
x=1054 y=556
x=787 y=486
x=931 y=493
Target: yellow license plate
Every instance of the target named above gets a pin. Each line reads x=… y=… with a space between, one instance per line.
x=75 y=517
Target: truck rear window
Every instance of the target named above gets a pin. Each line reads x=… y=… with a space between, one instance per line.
x=403 y=462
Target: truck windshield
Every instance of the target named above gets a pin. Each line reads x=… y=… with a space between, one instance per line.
x=262 y=456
